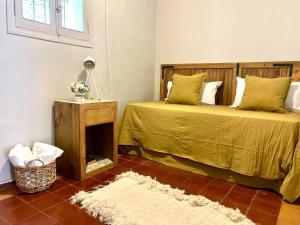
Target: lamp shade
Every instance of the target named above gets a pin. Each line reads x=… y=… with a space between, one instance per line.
x=89 y=63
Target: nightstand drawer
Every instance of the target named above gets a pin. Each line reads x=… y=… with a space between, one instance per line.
x=98 y=116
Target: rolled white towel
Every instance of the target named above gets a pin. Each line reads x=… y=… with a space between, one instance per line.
x=47 y=157
x=18 y=154
x=13 y=156
x=47 y=153
x=27 y=150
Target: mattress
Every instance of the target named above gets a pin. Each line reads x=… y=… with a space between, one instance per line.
x=259 y=144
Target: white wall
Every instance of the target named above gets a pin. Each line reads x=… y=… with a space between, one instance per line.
x=195 y=31
x=34 y=73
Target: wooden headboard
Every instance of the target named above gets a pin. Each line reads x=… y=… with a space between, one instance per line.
x=270 y=69
x=227 y=73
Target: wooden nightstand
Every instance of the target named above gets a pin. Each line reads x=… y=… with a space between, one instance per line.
x=87 y=133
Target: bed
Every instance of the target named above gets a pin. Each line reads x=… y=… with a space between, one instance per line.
x=258 y=149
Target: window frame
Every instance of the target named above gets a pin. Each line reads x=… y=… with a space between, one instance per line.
x=65 y=32
x=35 y=25
x=20 y=26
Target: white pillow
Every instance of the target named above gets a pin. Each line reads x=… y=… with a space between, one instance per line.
x=207 y=93
x=240 y=88
x=169 y=86
x=292 y=102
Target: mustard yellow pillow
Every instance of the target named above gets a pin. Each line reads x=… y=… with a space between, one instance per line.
x=185 y=89
x=265 y=94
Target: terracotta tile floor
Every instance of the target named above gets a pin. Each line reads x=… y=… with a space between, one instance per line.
x=51 y=207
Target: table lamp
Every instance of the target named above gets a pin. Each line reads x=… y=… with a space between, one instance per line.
x=89 y=64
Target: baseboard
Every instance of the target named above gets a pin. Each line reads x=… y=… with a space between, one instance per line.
x=6 y=182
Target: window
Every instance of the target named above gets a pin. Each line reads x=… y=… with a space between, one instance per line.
x=38 y=11
x=55 y=20
x=71 y=19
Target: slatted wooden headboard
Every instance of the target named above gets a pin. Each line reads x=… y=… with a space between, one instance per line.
x=227 y=73
x=270 y=69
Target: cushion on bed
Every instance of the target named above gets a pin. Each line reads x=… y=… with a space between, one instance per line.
x=265 y=94
x=185 y=89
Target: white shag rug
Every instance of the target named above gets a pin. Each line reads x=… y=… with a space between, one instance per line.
x=134 y=199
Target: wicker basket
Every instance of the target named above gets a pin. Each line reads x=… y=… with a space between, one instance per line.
x=35 y=179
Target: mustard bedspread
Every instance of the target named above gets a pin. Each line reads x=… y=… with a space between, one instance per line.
x=260 y=144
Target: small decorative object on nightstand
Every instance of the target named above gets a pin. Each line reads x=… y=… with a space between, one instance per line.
x=80 y=90
x=86 y=131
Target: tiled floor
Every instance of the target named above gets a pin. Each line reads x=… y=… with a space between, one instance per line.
x=52 y=206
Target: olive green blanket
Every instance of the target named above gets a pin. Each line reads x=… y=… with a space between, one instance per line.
x=251 y=143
